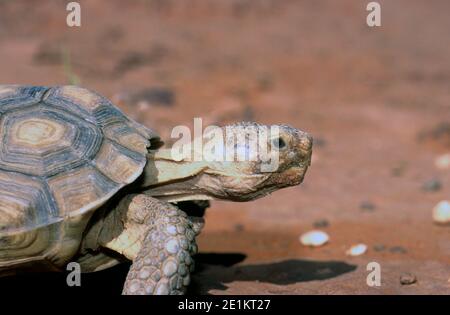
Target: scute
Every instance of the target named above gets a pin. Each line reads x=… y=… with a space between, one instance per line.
x=24 y=201
x=64 y=151
x=42 y=141
x=16 y=96
x=79 y=188
x=118 y=163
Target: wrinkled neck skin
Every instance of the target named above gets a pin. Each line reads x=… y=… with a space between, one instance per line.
x=174 y=181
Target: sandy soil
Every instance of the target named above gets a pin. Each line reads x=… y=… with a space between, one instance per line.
x=376 y=101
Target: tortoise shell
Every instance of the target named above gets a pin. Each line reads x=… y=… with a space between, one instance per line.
x=64 y=151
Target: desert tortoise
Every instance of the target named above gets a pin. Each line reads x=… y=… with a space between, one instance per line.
x=81 y=182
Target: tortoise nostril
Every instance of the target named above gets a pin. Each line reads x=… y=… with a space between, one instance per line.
x=279 y=143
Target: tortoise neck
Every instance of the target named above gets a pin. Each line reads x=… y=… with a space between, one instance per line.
x=162 y=171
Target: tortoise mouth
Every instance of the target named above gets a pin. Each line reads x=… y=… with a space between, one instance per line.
x=294 y=175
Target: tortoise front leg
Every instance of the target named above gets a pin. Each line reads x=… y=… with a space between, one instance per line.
x=164 y=261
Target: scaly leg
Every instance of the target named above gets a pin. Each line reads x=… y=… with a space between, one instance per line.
x=164 y=261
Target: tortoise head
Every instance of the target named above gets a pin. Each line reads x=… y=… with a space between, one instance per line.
x=238 y=162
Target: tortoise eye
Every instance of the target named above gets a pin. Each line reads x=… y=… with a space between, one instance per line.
x=279 y=143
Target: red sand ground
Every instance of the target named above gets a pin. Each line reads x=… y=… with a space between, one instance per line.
x=366 y=95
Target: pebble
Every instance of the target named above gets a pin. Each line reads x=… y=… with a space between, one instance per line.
x=399 y=169
x=239 y=227
x=441 y=212
x=265 y=82
x=398 y=250
x=321 y=223
x=152 y=96
x=432 y=185
x=408 y=278
x=379 y=247
x=443 y=162
x=367 y=206
x=314 y=238
x=356 y=250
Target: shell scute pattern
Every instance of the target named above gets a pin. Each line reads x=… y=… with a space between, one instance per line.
x=43 y=141
x=63 y=151
x=24 y=200
x=15 y=96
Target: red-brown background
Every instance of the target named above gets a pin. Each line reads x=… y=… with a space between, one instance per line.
x=371 y=97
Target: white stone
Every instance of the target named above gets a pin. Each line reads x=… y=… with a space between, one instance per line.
x=356 y=250
x=443 y=161
x=314 y=238
x=143 y=106
x=441 y=212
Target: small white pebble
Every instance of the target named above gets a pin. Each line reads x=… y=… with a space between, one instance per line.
x=441 y=212
x=356 y=250
x=443 y=161
x=143 y=106
x=314 y=238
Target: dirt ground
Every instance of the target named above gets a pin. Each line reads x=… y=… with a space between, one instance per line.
x=376 y=100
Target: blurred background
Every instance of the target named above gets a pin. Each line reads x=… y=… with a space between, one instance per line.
x=376 y=100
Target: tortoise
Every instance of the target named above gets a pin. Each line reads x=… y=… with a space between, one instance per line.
x=81 y=182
